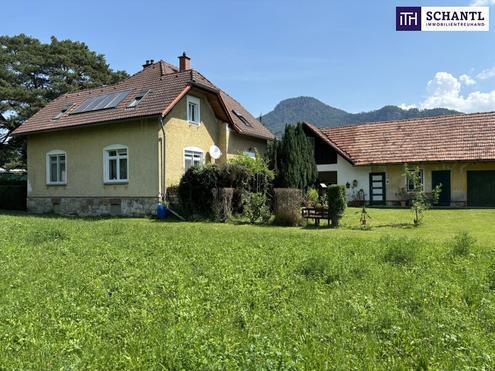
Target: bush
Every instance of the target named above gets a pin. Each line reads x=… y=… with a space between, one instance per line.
x=400 y=251
x=462 y=244
x=243 y=174
x=287 y=206
x=172 y=196
x=222 y=203
x=13 y=191
x=251 y=174
x=312 y=197
x=238 y=177
x=195 y=189
x=337 y=202
x=13 y=197
x=255 y=208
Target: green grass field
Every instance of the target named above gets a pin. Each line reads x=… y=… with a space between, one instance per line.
x=136 y=293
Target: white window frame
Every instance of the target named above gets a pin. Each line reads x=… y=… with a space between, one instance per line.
x=55 y=152
x=197 y=102
x=422 y=180
x=195 y=150
x=106 y=167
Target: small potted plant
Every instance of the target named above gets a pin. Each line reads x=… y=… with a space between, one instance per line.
x=403 y=197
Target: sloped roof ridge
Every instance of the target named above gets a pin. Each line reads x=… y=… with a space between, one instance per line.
x=374 y=123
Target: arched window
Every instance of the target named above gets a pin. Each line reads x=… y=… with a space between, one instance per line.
x=193 y=156
x=56 y=167
x=116 y=164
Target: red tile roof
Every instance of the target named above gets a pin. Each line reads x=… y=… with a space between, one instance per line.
x=165 y=83
x=464 y=137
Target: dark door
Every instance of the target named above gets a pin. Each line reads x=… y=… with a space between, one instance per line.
x=442 y=178
x=377 y=189
x=481 y=188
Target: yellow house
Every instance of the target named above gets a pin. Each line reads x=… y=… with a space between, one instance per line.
x=456 y=152
x=114 y=149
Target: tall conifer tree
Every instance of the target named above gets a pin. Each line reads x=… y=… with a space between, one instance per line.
x=293 y=159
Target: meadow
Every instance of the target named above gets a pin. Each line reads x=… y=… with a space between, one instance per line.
x=140 y=294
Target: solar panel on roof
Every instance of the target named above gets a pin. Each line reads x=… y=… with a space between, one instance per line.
x=103 y=101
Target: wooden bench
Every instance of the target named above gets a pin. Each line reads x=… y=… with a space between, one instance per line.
x=315 y=213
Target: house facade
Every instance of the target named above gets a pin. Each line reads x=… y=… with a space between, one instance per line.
x=456 y=152
x=113 y=150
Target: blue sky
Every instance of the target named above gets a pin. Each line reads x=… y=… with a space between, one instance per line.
x=346 y=54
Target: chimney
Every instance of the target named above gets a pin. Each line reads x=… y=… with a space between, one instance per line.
x=148 y=63
x=184 y=62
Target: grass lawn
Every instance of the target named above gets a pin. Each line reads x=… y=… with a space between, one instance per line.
x=136 y=293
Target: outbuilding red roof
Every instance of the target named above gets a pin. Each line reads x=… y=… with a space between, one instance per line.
x=165 y=85
x=463 y=137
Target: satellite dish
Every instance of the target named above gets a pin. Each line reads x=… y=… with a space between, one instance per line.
x=215 y=152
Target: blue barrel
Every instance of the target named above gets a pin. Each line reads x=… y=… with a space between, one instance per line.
x=161 y=211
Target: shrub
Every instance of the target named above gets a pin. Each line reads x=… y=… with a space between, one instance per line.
x=195 y=189
x=312 y=197
x=172 y=196
x=421 y=201
x=400 y=251
x=462 y=244
x=13 y=191
x=337 y=202
x=287 y=206
x=222 y=203
x=253 y=173
x=243 y=175
x=255 y=208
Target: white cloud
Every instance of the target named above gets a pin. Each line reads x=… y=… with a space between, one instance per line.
x=482 y=2
x=444 y=90
x=486 y=74
x=406 y=107
x=467 y=80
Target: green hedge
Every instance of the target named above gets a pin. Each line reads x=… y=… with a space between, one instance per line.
x=13 y=197
x=9 y=179
x=13 y=190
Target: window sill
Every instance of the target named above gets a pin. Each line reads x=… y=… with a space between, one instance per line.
x=193 y=123
x=118 y=182
x=56 y=184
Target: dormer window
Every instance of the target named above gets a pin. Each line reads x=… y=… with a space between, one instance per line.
x=137 y=98
x=62 y=111
x=242 y=118
x=193 y=110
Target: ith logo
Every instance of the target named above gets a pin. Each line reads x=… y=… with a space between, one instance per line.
x=408 y=18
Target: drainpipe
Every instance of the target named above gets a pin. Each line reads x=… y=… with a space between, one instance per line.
x=162 y=170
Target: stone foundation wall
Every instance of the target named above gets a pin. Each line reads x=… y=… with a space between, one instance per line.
x=86 y=206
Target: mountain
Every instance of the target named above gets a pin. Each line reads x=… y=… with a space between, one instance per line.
x=292 y=110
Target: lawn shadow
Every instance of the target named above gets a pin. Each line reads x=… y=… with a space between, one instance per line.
x=396 y=225
x=26 y=214
x=313 y=226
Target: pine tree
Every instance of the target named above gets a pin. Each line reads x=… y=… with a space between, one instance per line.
x=33 y=73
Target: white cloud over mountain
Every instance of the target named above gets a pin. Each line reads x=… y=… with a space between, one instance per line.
x=446 y=91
